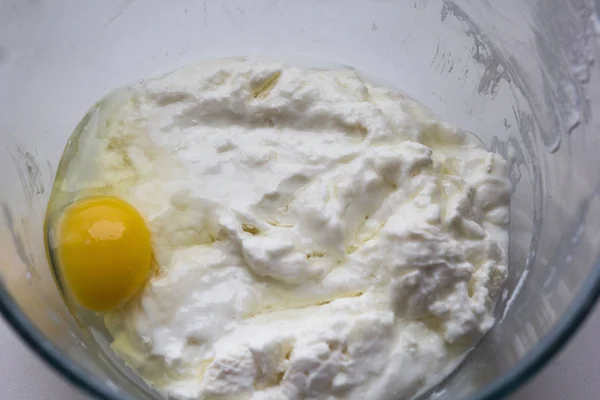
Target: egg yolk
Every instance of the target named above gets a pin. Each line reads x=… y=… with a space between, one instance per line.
x=104 y=251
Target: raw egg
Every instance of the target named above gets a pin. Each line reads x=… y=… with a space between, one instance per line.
x=104 y=251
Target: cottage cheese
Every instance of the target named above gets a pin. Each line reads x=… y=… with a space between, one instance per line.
x=316 y=237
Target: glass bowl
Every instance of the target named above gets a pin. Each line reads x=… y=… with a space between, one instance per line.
x=521 y=74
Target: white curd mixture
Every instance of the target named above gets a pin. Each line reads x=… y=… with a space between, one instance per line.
x=315 y=236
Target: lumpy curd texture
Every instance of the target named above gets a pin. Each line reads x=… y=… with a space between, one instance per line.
x=316 y=237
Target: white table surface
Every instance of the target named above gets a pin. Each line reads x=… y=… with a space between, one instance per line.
x=574 y=374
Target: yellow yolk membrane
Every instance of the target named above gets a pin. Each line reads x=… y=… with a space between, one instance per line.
x=104 y=251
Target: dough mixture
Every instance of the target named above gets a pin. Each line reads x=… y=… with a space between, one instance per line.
x=314 y=236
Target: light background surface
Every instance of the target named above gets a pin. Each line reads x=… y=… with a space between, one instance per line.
x=574 y=374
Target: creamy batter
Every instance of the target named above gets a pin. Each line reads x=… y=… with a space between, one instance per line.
x=315 y=236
